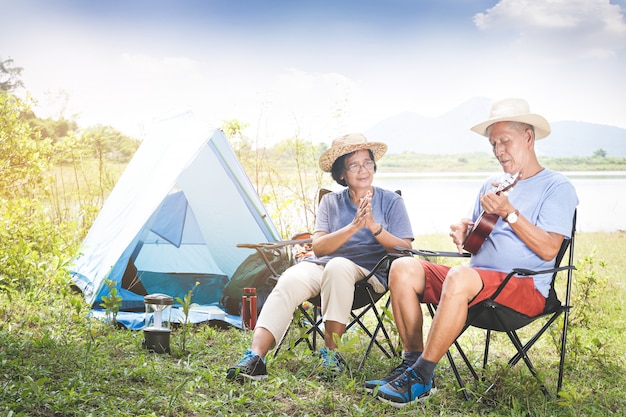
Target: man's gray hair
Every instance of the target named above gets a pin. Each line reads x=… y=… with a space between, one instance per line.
x=519 y=126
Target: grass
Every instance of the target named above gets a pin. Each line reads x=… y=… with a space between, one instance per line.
x=56 y=361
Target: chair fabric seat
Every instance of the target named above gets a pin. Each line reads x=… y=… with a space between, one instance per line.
x=507 y=318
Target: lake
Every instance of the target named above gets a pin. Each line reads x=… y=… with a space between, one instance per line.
x=602 y=196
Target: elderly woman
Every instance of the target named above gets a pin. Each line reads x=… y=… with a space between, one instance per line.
x=355 y=228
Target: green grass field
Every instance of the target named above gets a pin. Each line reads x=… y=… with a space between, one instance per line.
x=55 y=361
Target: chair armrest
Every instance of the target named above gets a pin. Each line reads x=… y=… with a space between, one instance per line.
x=263 y=248
x=385 y=261
x=427 y=252
x=274 y=245
x=529 y=272
x=516 y=271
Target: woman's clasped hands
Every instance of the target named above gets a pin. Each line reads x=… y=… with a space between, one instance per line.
x=364 y=217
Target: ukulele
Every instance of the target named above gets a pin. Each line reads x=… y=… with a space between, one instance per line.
x=486 y=221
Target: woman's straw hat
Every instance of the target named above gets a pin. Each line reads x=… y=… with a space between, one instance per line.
x=347 y=144
x=514 y=110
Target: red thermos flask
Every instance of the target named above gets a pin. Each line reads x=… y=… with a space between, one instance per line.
x=248 y=308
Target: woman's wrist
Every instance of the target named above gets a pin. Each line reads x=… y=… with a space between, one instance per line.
x=378 y=231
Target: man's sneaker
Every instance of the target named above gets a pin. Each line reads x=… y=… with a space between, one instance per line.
x=333 y=363
x=251 y=366
x=407 y=389
x=399 y=370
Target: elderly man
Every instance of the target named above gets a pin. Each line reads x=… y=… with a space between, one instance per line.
x=533 y=218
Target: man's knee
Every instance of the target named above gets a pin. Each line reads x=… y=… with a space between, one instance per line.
x=462 y=281
x=405 y=271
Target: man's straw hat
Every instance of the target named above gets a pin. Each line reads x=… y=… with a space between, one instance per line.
x=514 y=110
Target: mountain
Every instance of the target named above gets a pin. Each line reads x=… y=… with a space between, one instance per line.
x=450 y=133
x=583 y=139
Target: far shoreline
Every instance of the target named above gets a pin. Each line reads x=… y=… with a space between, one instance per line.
x=484 y=174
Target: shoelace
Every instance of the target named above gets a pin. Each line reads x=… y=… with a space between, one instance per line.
x=398 y=371
x=246 y=357
x=408 y=377
x=330 y=359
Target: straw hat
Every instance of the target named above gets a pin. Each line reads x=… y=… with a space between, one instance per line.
x=347 y=144
x=514 y=110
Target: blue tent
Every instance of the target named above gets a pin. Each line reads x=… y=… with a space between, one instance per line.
x=173 y=219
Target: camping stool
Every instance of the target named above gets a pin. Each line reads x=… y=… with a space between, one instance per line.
x=157 y=330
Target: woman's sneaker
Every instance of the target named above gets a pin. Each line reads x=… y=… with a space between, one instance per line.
x=371 y=385
x=332 y=363
x=250 y=367
x=407 y=389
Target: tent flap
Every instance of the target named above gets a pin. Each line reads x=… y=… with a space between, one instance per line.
x=170 y=218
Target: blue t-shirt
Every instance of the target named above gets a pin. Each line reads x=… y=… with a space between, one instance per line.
x=336 y=210
x=548 y=200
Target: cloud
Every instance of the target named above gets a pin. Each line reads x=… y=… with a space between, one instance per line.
x=570 y=28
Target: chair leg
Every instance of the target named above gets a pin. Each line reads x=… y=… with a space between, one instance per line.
x=461 y=352
x=455 y=369
x=486 y=353
x=457 y=375
x=522 y=350
x=563 y=347
x=314 y=330
x=373 y=335
x=380 y=318
x=521 y=354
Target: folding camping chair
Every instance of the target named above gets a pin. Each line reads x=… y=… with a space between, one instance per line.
x=365 y=300
x=494 y=317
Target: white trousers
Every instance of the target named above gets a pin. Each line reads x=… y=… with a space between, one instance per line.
x=334 y=282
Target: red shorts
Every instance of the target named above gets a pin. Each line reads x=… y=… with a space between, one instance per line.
x=519 y=294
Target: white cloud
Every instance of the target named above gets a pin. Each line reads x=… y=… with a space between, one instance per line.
x=571 y=28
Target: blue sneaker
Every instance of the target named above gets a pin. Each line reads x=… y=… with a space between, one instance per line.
x=250 y=367
x=371 y=385
x=333 y=363
x=407 y=389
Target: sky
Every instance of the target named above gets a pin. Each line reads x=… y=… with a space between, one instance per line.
x=314 y=68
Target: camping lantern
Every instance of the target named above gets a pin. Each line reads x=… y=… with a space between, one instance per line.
x=157 y=331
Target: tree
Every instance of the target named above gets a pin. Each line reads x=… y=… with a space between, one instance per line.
x=34 y=248
x=295 y=171
x=10 y=75
x=242 y=146
x=52 y=129
x=600 y=153
x=286 y=177
x=24 y=157
x=106 y=142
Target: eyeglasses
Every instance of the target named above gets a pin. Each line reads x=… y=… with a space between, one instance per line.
x=368 y=165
